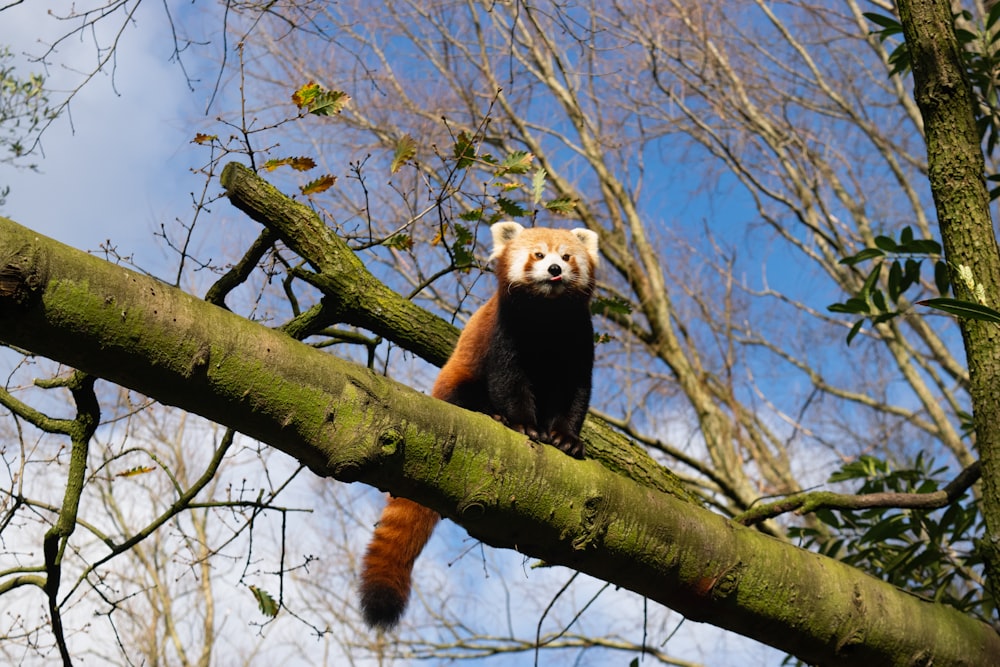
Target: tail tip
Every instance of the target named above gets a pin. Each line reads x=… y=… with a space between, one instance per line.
x=381 y=606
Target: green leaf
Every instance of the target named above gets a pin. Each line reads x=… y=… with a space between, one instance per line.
x=511 y=207
x=885 y=243
x=267 y=605
x=895 y=281
x=833 y=549
x=870 y=281
x=603 y=305
x=883 y=21
x=993 y=16
x=925 y=247
x=538 y=185
x=902 y=557
x=406 y=148
x=878 y=299
x=854 y=331
x=965 y=36
x=865 y=466
x=399 y=241
x=867 y=253
x=320 y=101
x=900 y=60
x=906 y=235
x=890 y=527
x=517 y=162
x=561 y=205
x=465 y=150
x=966 y=420
x=964 y=309
x=912 y=273
x=854 y=306
x=463 y=237
x=942 y=279
x=463 y=258
x=329 y=103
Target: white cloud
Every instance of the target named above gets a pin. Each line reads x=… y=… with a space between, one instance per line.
x=118 y=164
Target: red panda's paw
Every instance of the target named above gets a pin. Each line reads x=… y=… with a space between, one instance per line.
x=566 y=442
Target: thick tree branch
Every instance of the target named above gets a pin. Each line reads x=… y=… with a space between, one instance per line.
x=347 y=423
x=354 y=295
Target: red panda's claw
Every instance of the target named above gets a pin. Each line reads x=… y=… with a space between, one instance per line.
x=567 y=443
x=522 y=429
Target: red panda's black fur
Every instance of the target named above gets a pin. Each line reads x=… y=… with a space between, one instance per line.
x=525 y=357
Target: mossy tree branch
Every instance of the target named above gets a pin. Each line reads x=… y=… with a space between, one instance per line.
x=353 y=295
x=348 y=423
x=812 y=501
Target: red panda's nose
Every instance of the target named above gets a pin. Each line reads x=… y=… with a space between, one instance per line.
x=555 y=270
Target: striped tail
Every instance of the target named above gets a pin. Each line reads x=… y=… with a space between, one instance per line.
x=399 y=538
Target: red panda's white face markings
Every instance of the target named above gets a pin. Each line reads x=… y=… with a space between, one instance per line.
x=547 y=262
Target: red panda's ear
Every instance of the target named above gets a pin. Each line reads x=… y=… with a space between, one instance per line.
x=504 y=233
x=589 y=241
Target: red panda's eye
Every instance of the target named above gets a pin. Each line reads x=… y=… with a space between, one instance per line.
x=539 y=255
x=566 y=257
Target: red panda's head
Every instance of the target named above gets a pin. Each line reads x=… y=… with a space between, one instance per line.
x=543 y=261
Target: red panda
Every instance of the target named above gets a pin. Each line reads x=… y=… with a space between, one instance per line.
x=525 y=358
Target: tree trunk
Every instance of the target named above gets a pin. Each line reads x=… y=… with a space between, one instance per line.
x=955 y=165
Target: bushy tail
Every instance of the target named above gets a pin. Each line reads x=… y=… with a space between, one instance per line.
x=399 y=537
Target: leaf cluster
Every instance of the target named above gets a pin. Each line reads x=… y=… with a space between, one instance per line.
x=901 y=262
x=505 y=179
x=931 y=553
x=24 y=111
x=313 y=98
x=515 y=186
x=980 y=47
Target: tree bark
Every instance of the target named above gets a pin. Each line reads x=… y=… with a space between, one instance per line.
x=956 y=173
x=348 y=423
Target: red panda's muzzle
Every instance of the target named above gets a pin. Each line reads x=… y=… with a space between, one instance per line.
x=547 y=275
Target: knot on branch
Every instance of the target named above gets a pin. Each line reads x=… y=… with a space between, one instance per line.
x=361 y=463
x=729 y=581
x=473 y=505
x=594 y=522
x=23 y=274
